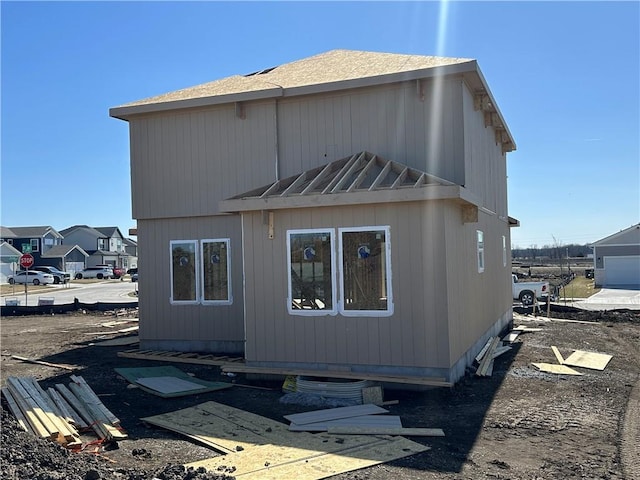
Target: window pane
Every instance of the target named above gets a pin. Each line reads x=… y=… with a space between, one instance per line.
x=311 y=276
x=215 y=261
x=480 y=245
x=364 y=266
x=183 y=271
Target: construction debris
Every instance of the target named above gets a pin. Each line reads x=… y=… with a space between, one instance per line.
x=492 y=349
x=259 y=448
x=61 y=414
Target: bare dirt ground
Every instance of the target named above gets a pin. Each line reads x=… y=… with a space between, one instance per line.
x=519 y=423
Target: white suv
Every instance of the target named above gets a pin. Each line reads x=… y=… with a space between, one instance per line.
x=95 y=272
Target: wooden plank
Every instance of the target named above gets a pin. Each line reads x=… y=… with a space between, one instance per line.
x=117 y=342
x=558 y=369
x=68 y=410
x=364 y=430
x=483 y=350
x=365 y=421
x=15 y=409
x=558 y=355
x=95 y=400
x=164 y=357
x=430 y=381
x=48 y=407
x=591 y=360
x=25 y=401
x=40 y=362
x=327 y=414
x=80 y=408
x=500 y=350
x=487 y=360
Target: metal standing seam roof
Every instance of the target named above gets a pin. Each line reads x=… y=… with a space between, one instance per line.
x=361 y=178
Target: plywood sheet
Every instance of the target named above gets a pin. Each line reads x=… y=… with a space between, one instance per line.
x=137 y=376
x=168 y=384
x=386 y=421
x=334 y=413
x=591 y=360
x=559 y=369
x=275 y=462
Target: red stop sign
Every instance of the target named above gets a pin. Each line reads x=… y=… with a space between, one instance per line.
x=26 y=260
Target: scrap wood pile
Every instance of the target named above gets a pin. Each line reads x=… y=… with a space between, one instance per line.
x=61 y=413
x=496 y=347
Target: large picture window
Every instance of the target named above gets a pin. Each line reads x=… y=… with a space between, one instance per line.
x=363 y=276
x=184 y=278
x=216 y=271
x=311 y=272
x=365 y=265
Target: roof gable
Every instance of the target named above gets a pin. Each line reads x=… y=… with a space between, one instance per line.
x=628 y=236
x=34 y=232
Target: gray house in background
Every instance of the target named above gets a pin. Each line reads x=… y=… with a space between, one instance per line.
x=104 y=245
x=343 y=212
x=617 y=259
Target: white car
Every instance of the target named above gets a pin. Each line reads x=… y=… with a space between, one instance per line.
x=31 y=276
x=95 y=272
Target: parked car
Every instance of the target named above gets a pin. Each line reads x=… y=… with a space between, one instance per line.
x=31 y=276
x=134 y=276
x=95 y=272
x=117 y=271
x=58 y=275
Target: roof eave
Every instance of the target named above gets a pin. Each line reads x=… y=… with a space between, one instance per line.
x=424 y=193
x=125 y=112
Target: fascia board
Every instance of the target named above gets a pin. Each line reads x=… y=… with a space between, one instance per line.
x=426 y=193
x=421 y=74
x=123 y=113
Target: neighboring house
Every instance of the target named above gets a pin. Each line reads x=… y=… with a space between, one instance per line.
x=46 y=246
x=37 y=241
x=9 y=257
x=68 y=258
x=131 y=247
x=617 y=259
x=105 y=245
x=346 y=211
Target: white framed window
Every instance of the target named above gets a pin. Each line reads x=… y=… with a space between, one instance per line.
x=365 y=271
x=184 y=271
x=311 y=272
x=480 y=250
x=504 y=251
x=34 y=245
x=216 y=271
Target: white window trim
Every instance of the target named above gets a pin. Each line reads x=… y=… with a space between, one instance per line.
x=197 y=273
x=229 y=300
x=366 y=313
x=312 y=313
x=480 y=250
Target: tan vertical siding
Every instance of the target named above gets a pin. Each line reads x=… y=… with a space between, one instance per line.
x=202 y=324
x=415 y=335
x=184 y=163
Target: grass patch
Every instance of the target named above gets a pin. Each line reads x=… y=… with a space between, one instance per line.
x=579 y=287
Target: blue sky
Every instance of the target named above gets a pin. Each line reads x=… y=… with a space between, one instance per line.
x=565 y=76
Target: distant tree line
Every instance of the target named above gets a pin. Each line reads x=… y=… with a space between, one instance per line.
x=551 y=252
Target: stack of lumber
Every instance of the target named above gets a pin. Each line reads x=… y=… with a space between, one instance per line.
x=355 y=420
x=60 y=413
x=492 y=349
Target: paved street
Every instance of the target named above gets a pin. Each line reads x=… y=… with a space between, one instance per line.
x=108 y=292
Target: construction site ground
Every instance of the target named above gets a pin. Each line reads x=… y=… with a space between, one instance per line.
x=518 y=423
